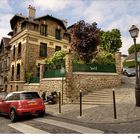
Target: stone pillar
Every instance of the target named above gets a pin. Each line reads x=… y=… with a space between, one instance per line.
x=118 y=62
x=41 y=71
x=69 y=76
x=118 y=66
x=22 y=72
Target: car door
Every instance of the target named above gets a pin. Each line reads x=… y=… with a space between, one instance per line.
x=6 y=104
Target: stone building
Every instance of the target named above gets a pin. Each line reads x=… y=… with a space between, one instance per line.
x=32 y=40
x=4 y=62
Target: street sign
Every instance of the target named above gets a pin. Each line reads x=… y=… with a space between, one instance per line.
x=138 y=58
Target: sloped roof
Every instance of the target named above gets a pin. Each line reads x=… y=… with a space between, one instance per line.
x=20 y=16
x=6 y=41
x=15 y=18
x=53 y=18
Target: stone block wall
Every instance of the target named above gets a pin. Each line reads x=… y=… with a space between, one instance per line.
x=89 y=81
x=52 y=84
x=32 y=87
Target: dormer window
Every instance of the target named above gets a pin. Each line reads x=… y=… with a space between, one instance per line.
x=43 y=30
x=58 y=34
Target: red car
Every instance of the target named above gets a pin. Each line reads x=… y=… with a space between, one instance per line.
x=22 y=103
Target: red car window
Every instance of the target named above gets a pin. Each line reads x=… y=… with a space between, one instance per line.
x=29 y=95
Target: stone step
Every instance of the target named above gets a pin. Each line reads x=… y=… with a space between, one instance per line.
x=99 y=98
x=93 y=103
x=97 y=93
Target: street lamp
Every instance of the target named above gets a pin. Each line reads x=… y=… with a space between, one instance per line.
x=62 y=71
x=134 y=31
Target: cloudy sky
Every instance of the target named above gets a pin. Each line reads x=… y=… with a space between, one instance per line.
x=108 y=14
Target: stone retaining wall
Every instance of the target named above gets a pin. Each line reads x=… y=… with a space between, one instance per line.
x=52 y=84
x=89 y=81
x=32 y=87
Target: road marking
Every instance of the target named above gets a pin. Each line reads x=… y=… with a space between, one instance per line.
x=74 y=127
x=26 y=129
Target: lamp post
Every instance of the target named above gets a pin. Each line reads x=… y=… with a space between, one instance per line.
x=134 y=31
x=62 y=72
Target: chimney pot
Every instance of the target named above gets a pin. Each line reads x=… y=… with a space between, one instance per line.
x=31 y=12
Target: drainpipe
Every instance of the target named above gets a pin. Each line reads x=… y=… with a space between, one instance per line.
x=27 y=51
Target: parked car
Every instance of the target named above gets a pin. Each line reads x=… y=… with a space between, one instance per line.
x=22 y=103
x=3 y=95
x=129 y=72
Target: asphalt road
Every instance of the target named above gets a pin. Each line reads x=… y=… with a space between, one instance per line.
x=47 y=124
x=132 y=127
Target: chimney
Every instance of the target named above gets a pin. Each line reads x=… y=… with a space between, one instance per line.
x=31 y=12
x=65 y=22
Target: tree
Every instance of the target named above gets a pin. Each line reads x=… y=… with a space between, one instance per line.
x=105 y=58
x=85 y=38
x=132 y=48
x=111 y=40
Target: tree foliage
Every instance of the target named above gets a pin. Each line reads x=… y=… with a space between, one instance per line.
x=132 y=48
x=104 y=58
x=111 y=40
x=85 y=38
x=57 y=60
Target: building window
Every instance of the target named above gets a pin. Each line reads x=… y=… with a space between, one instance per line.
x=16 y=87
x=18 y=72
x=11 y=87
x=32 y=27
x=5 y=88
x=19 y=50
x=12 y=77
x=14 y=51
x=38 y=70
x=57 y=48
x=43 y=50
x=43 y=30
x=58 y=34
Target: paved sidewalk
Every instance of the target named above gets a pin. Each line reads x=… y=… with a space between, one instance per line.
x=126 y=109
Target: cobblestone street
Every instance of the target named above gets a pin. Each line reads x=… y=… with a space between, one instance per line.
x=102 y=116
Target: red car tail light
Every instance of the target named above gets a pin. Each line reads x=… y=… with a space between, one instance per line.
x=42 y=102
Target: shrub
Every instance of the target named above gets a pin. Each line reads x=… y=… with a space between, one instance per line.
x=57 y=60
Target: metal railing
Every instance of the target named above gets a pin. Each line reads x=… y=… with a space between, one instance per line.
x=94 y=68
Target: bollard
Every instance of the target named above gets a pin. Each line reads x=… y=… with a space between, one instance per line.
x=59 y=102
x=80 y=103
x=114 y=104
x=62 y=90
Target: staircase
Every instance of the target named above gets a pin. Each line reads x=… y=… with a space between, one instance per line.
x=101 y=97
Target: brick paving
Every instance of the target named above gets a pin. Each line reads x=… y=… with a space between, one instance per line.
x=126 y=109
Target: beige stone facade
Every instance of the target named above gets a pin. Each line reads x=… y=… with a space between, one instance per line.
x=33 y=39
x=4 y=62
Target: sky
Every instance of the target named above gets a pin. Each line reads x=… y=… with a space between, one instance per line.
x=108 y=14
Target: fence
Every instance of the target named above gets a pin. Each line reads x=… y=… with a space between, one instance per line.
x=34 y=80
x=53 y=74
x=94 y=68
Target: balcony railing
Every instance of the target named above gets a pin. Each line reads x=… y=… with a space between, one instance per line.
x=12 y=78
x=18 y=77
